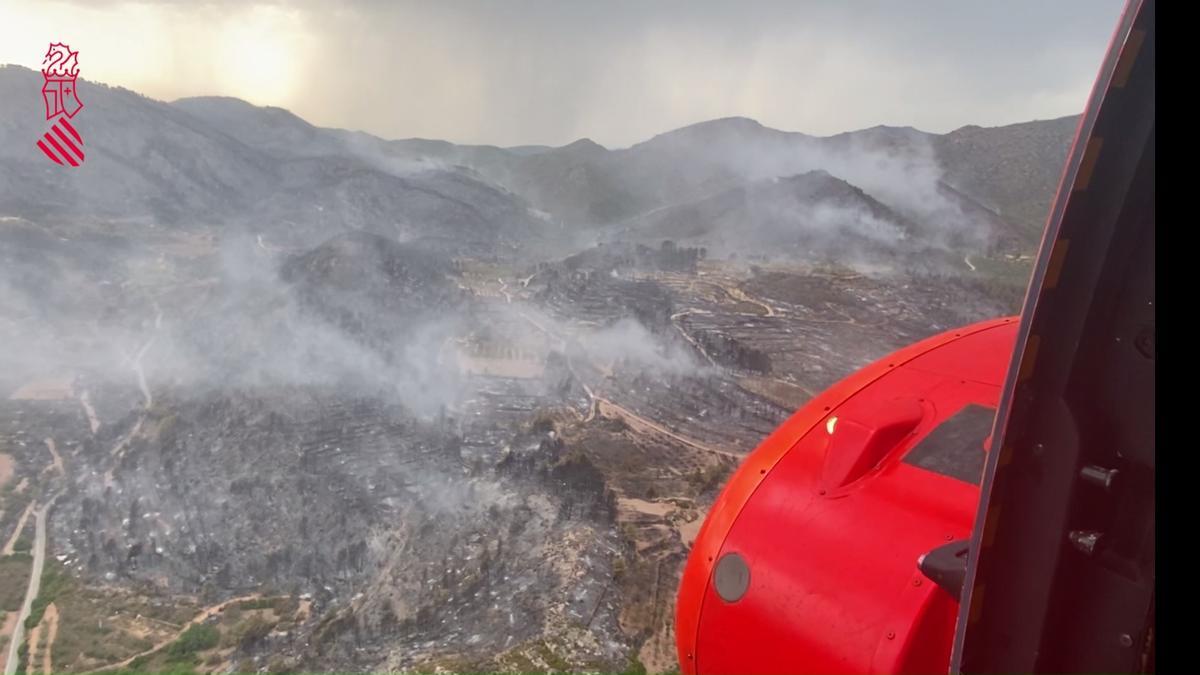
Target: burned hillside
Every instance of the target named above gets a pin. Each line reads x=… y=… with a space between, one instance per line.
x=334 y=402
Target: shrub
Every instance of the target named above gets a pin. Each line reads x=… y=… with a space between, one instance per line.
x=195 y=639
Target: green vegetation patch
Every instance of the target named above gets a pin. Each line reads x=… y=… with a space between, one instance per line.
x=197 y=638
x=14 y=579
x=94 y=621
x=54 y=581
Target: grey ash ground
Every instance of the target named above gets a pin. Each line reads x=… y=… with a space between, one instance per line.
x=536 y=517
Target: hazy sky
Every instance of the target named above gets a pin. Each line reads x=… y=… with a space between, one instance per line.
x=551 y=71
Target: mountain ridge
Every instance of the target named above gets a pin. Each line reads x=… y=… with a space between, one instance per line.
x=210 y=159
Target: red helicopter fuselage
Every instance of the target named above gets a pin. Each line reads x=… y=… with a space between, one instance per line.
x=809 y=559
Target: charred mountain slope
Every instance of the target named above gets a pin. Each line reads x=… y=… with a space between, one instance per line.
x=193 y=165
x=813 y=212
x=409 y=555
x=1003 y=173
x=372 y=285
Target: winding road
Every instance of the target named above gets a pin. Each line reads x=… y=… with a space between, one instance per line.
x=35 y=583
x=12 y=541
x=141 y=373
x=738 y=294
x=609 y=409
x=141 y=377
x=93 y=419
x=682 y=331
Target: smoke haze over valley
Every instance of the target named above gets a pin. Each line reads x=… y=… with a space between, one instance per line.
x=358 y=403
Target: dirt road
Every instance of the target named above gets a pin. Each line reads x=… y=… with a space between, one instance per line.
x=51 y=623
x=35 y=583
x=199 y=618
x=93 y=419
x=638 y=423
x=6 y=468
x=56 y=459
x=695 y=345
x=12 y=541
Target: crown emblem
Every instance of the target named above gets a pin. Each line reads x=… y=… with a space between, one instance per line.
x=60 y=63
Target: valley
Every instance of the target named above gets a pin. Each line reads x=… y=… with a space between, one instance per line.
x=280 y=398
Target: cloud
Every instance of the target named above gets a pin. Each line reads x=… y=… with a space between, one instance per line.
x=551 y=72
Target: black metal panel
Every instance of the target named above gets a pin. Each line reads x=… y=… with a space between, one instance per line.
x=955 y=447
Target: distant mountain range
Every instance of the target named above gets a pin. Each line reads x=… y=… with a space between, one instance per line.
x=729 y=183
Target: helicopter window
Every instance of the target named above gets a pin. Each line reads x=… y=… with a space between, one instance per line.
x=955 y=447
